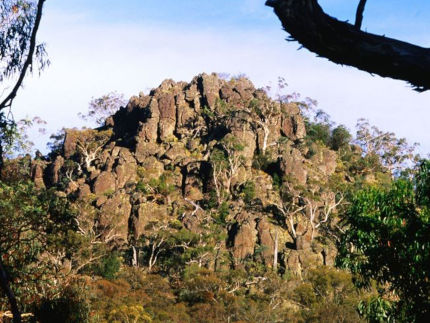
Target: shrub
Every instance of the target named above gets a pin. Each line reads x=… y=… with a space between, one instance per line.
x=109 y=266
x=340 y=137
x=70 y=307
x=248 y=191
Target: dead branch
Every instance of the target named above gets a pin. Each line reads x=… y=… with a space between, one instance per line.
x=343 y=43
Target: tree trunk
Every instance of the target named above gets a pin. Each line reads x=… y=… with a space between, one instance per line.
x=275 y=252
x=134 y=262
x=1 y=158
x=345 y=44
x=4 y=282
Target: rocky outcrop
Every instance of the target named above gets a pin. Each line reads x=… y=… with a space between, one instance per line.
x=183 y=152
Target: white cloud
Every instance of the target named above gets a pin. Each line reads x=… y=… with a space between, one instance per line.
x=91 y=59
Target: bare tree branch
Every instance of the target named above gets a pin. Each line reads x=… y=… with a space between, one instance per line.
x=343 y=43
x=7 y=102
x=359 y=14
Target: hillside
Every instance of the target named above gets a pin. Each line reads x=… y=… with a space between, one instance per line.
x=184 y=150
x=225 y=199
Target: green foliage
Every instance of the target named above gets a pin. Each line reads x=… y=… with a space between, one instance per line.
x=34 y=223
x=377 y=310
x=222 y=214
x=199 y=285
x=211 y=201
x=327 y=295
x=142 y=187
x=71 y=306
x=161 y=185
x=17 y=21
x=340 y=138
x=422 y=182
x=263 y=162
x=248 y=191
x=277 y=181
x=390 y=234
x=394 y=153
x=15 y=136
x=208 y=113
x=109 y=266
x=129 y=313
x=319 y=132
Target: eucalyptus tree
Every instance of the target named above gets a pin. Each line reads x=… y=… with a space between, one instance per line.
x=19 y=53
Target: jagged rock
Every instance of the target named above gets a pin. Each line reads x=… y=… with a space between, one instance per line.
x=37 y=170
x=248 y=139
x=148 y=131
x=70 y=141
x=244 y=88
x=245 y=238
x=329 y=255
x=193 y=185
x=264 y=188
x=84 y=191
x=184 y=115
x=126 y=169
x=304 y=241
x=293 y=125
x=146 y=213
x=104 y=183
x=209 y=85
x=71 y=187
x=176 y=152
x=154 y=157
x=293 y=165
x=266 y=241
x=166 y=105
x=145 y=150
x=115 y=213
x=227 y=94
x=292 y=262
x=326 y=161
x=152 y=168
x=53 y=171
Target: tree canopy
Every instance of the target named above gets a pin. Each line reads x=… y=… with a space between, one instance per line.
x=387 y=241
x=19 y=53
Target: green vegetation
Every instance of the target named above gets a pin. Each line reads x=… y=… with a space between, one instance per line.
x=387 y=242
x=121 y=224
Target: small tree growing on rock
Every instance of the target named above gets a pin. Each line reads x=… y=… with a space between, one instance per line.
x=308 y=209
x=226 y=162
x=103 y=107
x=89 y=145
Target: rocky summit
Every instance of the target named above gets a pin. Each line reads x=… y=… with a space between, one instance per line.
x=185 y=150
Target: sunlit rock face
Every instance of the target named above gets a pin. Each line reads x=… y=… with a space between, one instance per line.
x=184 y=149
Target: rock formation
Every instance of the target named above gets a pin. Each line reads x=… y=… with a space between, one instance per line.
x=166 y=154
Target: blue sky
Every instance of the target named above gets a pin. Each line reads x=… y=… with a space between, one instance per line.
x=130 y=46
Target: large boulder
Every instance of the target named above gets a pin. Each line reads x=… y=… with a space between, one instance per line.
x=293 y=165
x=293 y=125
x=266 y=241
x=115 y=214
x=245 y=237
x=104 y=183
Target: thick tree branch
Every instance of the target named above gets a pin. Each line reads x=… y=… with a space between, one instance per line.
x=343 y=43
x=359 y=14
x=7 y=102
